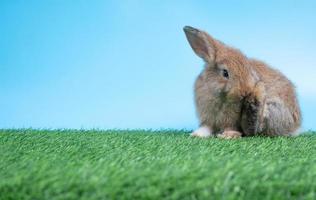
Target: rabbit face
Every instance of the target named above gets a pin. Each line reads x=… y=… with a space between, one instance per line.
x=227 y=77
x=227 y=72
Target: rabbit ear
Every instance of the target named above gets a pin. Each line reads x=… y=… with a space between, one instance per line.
x=202 y=44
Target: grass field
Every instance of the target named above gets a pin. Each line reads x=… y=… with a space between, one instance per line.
x=73 y=164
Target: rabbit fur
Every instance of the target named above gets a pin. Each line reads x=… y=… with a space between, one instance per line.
x=237 y=96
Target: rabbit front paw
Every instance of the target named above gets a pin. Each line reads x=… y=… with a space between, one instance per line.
x=230 y=134
x=202 y=132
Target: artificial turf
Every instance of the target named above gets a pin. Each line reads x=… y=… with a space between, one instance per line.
x=137 y=164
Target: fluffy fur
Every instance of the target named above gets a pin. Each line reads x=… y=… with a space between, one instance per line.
x=237 y=96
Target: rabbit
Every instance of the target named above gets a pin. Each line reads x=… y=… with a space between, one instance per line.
x=236 y=96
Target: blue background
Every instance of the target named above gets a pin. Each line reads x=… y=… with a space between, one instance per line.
x=127 y=64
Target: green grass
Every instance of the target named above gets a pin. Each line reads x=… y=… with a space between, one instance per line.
x=73 y=164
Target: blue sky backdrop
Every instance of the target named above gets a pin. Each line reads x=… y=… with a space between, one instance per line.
x=127 y=64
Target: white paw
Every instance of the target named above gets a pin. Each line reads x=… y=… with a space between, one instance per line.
x=203 y=132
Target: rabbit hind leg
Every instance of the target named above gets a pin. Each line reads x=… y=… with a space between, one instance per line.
x=277 y=119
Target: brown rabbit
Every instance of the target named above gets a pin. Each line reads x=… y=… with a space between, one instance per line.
x=237 y=96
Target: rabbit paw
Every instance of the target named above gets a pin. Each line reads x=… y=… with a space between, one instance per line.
x=202 y=132
x=230 y=135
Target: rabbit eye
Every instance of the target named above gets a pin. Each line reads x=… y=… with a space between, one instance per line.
x=225 y=73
